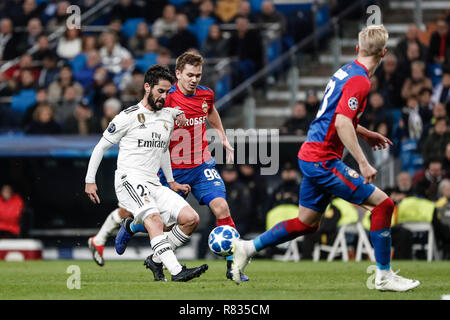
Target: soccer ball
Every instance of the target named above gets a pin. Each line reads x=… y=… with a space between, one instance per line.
x=220 y=240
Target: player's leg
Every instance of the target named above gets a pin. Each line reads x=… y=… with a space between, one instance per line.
x=179 y=234
x=131 y=226
x=349 y=185
x=382 y=207
x=162 y=249
x=112 y=223
x=313 y=201
x=175 y=212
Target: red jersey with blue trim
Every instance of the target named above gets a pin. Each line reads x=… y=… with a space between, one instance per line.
x=346 y=94
x=188 y=145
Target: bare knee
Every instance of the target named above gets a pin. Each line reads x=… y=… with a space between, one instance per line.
x=154 y=225
x=188 y=217
x=219 y=207
x=309 y=216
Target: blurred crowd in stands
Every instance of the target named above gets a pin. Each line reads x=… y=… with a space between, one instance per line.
x=81 y=82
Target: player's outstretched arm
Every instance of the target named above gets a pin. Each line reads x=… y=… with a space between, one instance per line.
x=94 y=163
x=376 y=140
x=347 y=134
x=216 y=123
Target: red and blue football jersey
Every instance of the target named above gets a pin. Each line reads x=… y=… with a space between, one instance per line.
x=188 y=145
x=346 y=94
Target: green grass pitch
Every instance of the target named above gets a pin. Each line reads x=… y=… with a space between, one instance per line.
x=269 y=280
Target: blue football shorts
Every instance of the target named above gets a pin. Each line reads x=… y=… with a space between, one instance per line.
x=204 y=179
x=322 y=180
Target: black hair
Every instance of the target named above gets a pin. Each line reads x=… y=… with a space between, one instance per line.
x=156 y=73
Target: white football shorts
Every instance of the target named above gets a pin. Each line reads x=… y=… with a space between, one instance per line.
x=143 y=198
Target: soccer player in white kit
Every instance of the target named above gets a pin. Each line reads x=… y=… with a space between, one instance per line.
x=143 y=133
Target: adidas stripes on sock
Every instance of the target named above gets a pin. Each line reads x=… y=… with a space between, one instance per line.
x=162 y=249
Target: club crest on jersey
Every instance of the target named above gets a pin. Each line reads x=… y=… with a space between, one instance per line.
x=204 y=106
x=352 y=173
x=165 y=126
x=111 y=127
x=141 y=119
x=353 y=103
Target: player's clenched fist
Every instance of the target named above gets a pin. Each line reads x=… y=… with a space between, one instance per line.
x=368 y=172
x=177 y=187
x=181 y=120
x=91 y=191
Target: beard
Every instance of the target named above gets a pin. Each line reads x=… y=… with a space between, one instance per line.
x=155 y=105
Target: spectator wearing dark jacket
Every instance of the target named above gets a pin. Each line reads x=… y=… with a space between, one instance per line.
x=439 y=42
x=428 y=186
x=436 y=142
x=411 y=36
x=269 y=14
x=298 y=123
x=8 y=39
x=287 y=191
x=82 y=121
x=246 y=44
x=184 y=39
x=43 y=122
x=257 y=185
x=125 y=10
x=390 y=81
x=215 y=46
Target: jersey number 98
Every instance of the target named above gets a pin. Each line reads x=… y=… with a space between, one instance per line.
x=211 y=174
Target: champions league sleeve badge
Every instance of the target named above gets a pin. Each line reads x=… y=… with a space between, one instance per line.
x=111 y=128
x=353 y=103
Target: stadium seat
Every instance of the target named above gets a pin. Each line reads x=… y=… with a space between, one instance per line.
x=24 y=99
x=178 y=3
x=201 y=28
x=78 y=62
x=339 y=246
x=223 y=86
x=430 y=246
x=435 y=72
x=292 y=253
x=416 y=215
x=129 y=27
x=411 y=161
x=349 y=223
x=146 y=61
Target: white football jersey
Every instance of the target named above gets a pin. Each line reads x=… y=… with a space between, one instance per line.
x=143 y=137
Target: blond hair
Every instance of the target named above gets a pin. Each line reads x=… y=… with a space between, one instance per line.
x=372 y=41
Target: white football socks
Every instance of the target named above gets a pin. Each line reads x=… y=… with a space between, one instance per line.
x=162 y=249
x=249 y=247
x=112 y=222
x=176 y=237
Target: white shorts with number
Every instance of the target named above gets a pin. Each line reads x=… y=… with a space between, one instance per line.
x=143 y=198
